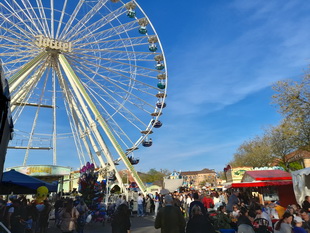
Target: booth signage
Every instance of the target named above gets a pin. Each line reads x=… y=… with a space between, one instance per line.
x=43 y=170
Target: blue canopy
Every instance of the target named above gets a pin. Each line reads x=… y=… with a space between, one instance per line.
x=13 y=177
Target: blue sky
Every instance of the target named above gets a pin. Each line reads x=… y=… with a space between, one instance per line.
x=223 y=57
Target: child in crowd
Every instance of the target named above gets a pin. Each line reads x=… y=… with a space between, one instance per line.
x=28 y=224
x=298 y=225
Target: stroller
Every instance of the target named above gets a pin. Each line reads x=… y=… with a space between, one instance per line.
x=261 y=225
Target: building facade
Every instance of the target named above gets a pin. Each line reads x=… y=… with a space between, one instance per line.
x=196 y=179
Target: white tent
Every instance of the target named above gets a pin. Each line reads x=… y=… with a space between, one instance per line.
x=301 y=184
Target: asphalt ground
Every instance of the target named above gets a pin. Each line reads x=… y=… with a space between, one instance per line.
x=138 y=225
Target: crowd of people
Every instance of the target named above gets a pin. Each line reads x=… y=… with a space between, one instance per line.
x=186 y=212
x=212 y=212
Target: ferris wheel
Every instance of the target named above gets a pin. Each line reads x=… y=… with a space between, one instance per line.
x=97 y=66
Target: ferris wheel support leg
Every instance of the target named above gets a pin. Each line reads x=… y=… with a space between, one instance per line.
x=83 y=129
x=16 y=79
x=31 y=82
x=74 y=80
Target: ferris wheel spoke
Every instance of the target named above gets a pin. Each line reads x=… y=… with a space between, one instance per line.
x=29 y=35
x=117 y=107
x=15 y=41
x=15 y=13
x=108 y=33
x=21 y=74
x=33 y=15
x=86 y=18
x=52 y=19
x=129 y=94
x=27 y=90
x=136 y=72
x=19 y=37
x=97 y=25
x=144 y=85
x=138 y=69
x=64 y=7
x=28 y=16
x=72 y=18
x=43 y=17
x=115 y=42
x=13 y=47
x=108 y=51
x=20 y=53
x=107 y=92
x=35 y=122
x=109 y=79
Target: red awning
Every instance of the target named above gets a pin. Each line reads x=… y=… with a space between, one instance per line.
x=260 y=184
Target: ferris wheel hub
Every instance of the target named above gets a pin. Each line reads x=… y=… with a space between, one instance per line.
x=48 y=43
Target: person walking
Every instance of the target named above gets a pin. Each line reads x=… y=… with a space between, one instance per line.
x=121 y=220
x=199 y=223
x=197 y=202
x=43 y=220
x=156 y=202
x=140 y=205
x=169 y=218
x=147 y=205
x=81 y=221
x=68 y=216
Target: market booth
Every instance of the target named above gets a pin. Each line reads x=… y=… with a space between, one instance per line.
x=19 y=183
x=301 y=184
x=268 y=185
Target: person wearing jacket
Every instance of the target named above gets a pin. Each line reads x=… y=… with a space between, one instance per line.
x=121 y=220
x=244 y=222
x=199 y=223
x=170 y=218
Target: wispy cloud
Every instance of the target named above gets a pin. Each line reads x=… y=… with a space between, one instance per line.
x=272 y=45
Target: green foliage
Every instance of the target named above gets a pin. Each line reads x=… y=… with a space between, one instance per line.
x=153 y=175
x=293 y=133
x=293 y=100
x=221 y=175
x=294 y=166
x=253 y=153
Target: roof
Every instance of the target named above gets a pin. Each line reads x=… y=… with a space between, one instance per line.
x=265 y=175
x=298 y=154
x=203 y=171
x=13 y=177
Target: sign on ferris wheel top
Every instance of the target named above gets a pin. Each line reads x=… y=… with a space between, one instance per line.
x=45 y=42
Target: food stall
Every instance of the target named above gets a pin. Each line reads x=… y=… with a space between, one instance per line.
x=268 y=185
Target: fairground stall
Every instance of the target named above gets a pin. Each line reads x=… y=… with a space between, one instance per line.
x=48 y=173
x=267 y=186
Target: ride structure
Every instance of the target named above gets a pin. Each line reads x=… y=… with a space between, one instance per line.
x=94 y=67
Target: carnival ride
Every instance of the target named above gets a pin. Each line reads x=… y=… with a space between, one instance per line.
x=100 y=63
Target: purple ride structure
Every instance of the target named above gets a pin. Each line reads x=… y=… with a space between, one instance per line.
x=93 y=72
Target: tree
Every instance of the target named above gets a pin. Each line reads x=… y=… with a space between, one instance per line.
x=282 y=143
x=153 y=175
x=293 y=100
x=254 y=153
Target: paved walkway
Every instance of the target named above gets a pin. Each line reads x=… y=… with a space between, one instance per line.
x=138 y=225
